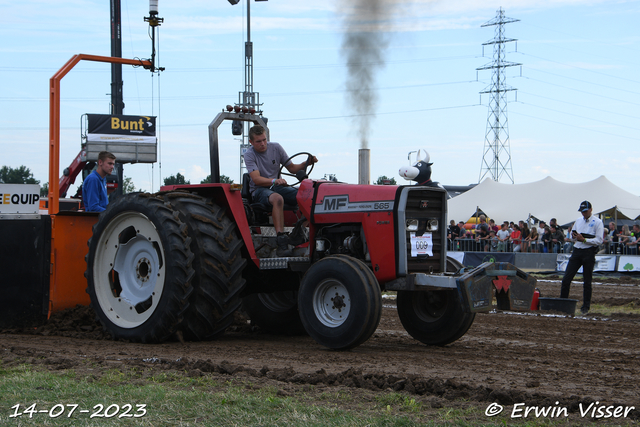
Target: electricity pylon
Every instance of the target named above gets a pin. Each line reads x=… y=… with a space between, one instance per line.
x=496 y=158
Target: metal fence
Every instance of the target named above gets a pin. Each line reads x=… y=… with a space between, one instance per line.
x=473 y=245
x=617 y=248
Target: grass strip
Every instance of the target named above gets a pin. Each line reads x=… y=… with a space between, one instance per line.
x=175 y=399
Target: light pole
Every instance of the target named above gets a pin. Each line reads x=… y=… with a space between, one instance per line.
x=248 y=98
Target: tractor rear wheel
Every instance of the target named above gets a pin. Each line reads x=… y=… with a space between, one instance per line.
x=340 y=304
x=434 y=317
x=139 y=269
x=275 y=312
x=218 y=265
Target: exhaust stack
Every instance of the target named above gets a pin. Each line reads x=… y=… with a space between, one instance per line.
x=364 y=166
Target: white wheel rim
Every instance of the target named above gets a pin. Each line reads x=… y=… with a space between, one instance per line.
x=133 y=297
x=331 y=303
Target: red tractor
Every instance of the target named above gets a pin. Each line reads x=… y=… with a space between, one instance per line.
x=185 y=259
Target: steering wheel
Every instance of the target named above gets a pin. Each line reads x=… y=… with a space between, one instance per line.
x=309 y=155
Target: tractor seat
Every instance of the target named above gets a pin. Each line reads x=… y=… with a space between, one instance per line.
x=259 y=207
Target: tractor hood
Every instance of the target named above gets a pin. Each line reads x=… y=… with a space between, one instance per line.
x=319 y=198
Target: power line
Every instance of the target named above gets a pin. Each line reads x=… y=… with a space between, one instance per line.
x=579 y=37
x=208 y=97
x=453 y=107
x=579 y=116
x=261 y=68
x=580 y=68
x=574 y=126
x=625 y=90
x=376 y=114
x=580 y=105
x=581 y=91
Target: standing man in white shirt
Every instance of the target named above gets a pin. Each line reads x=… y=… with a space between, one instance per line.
x=588 y=231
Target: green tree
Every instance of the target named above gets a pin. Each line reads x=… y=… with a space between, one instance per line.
x=21 y=175
x=128 y=186
x=383 y=180
x=44 y=190
x=178 y=179
x=224 y=179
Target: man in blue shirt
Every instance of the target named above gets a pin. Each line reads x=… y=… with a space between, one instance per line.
x=94 y=187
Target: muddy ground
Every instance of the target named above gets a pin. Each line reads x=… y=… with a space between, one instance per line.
x=505 y=358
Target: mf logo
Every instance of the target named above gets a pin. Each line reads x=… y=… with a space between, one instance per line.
x=335 y=203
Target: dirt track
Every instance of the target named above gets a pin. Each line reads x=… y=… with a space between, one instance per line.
x=505 y=358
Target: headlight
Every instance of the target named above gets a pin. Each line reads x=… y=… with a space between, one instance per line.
x=412 y=225
x=432 y=225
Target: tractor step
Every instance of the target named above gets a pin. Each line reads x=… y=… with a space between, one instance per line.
x=299 y=263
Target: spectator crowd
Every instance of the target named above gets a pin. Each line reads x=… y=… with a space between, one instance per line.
x=487 y=236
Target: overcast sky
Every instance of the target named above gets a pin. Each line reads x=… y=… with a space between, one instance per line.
x=575 y=114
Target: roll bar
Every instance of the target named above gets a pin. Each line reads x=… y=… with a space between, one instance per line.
x=54 y=118
x=213 y=137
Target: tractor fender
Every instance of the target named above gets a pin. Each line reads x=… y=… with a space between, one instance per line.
x=230 y=199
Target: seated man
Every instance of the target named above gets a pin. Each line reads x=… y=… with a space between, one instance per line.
x=557 y=239
x=94 y=187
x=567 y=247
x=263 y=160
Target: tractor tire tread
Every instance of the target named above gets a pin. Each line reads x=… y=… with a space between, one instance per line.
x=218 y=266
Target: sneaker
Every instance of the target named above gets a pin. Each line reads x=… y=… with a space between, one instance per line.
x=584 y=310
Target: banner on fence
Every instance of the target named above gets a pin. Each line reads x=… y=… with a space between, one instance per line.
x=603 y=263
x=629 y=263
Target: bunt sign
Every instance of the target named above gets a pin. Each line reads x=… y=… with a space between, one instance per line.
x=140 y=129
x=132 y=139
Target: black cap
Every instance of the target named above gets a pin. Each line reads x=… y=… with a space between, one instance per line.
x=584 y=206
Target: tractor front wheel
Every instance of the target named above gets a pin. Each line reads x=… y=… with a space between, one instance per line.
x=340 y=304
x=434 y=317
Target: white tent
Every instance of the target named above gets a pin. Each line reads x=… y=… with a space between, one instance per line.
x=544 y=200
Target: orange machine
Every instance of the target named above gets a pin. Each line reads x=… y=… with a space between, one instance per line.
x=43 y=255
x=70 y=231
